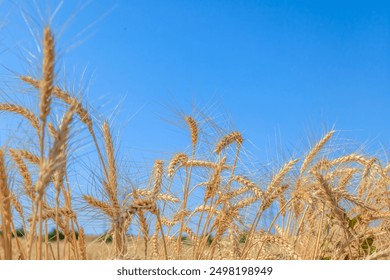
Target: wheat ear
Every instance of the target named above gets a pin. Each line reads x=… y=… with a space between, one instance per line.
x=158 y=176
x=105 y=207
x=228 y=140
x=47 y=75
x=194 y=130
x=111 y=186
x=179 y=158
x=309 y=158
x=249 y=185
x=32 y=158
x=23 y=171
x=24 y=112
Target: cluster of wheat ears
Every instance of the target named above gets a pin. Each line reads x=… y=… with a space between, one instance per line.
x=317 y=207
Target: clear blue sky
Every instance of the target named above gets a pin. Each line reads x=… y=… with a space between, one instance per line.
x=282 y=70
x=277 y=67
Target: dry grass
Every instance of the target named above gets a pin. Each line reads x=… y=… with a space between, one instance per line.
x=201 y=204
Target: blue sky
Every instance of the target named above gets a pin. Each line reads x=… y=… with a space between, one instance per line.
x=279 y=71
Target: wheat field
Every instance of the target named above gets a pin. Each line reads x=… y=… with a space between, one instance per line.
x=202 y=204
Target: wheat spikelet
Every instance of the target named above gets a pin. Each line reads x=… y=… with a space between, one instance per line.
x=356 y=200
x=144 y=229
x=228 y=140
x=278 y=178
x=111 y=184
x=105 y=207
x=226 y=196
x=18 y=207
x=321 y=164
x=346 y=179
x=158 y=174
x=52 y=130
x=368 y=167
x=47 y=75
x=342 y=172
x=270 y=197
x=350 y=158
x=206 y=208
x=67 y=212
x=179 y=158
x=237 y=192
x=309 y=158
x=154 y=240
x=297 y=206
x=191 y=234
x=194 y=130
x=45 y=215
x=32 y=158
x=60 y=137
x=282 y=204
x=145 y=205
x=244 y=181
x=245 y=202
x=82 y=245
x=161 y=196
x=179 y=216
x=204 y=163
x=27 y=114
x=141 y=192
x=167 y=222
x=215 y=181
x=249 y=185
x=168 y=198
x=62 y=134
x=364 y=183
x=23 y=171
